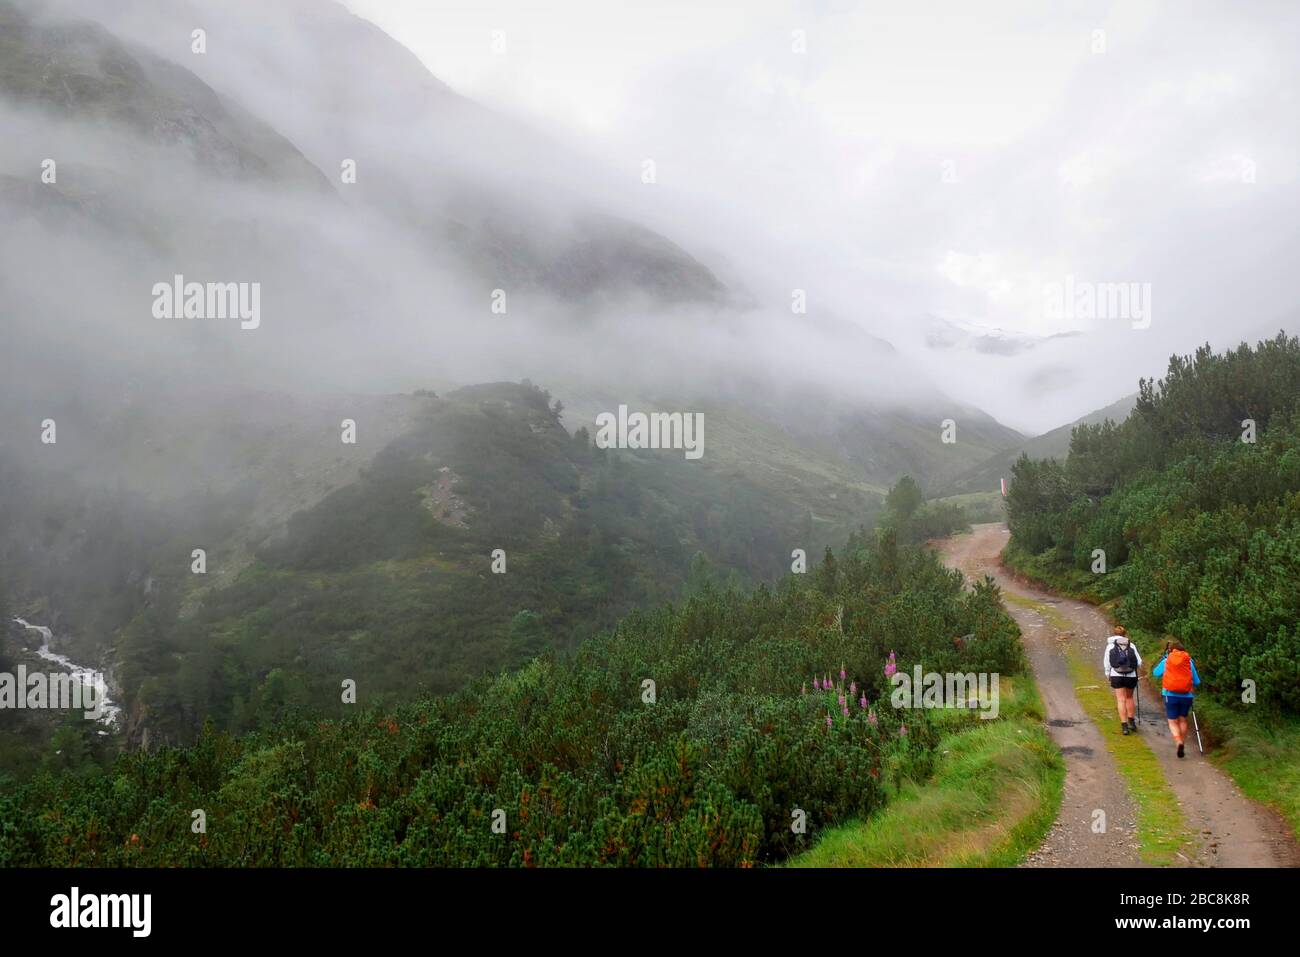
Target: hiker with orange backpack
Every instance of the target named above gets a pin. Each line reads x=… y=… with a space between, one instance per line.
x=1178 y=682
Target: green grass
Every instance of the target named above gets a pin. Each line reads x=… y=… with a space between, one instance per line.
x=1053 y=616
x=1260 y=752
x=995 y=792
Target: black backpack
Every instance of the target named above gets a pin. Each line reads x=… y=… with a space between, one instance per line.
x=1122 y=659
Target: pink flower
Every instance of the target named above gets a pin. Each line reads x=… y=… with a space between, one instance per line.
x=841 y=701
x=817 y=683
x=863 y=701
x=891 y=666
x=845 y=709
x=828 y=720
x=902 y=730
x=842 y=675
x=853 y=687
x=871 y=717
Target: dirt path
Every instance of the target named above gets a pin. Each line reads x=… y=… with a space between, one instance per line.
x=1231 y=830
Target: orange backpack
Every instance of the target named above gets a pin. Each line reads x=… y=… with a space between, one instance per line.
x=1178 y=673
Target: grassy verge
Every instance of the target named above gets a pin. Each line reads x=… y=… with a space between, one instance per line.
x=1261 y=753
x=994 y=793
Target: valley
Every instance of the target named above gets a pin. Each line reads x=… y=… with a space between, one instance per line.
x=462 y=470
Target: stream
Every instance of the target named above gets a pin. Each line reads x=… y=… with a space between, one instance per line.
x=86 y=676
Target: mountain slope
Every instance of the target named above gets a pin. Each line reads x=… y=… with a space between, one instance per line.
x=391 y=578
x=79 y=70
x=1055 y=444
x=511 y=201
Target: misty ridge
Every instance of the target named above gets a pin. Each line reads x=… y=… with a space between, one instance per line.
x=397 y=238
x=226 y=167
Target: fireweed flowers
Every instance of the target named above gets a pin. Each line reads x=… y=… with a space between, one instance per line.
x=840 y=695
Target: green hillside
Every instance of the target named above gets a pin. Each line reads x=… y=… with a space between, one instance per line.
x=375 y=559
x=388 y=578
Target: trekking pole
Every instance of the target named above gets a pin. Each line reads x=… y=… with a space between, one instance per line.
x=1196 y=724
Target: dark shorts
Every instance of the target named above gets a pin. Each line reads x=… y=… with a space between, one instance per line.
x=1177 y=707
x=1120 y=681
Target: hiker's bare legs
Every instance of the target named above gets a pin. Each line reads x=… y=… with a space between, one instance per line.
x=1178 y=728
x=1122 y=703
x=1132 y=702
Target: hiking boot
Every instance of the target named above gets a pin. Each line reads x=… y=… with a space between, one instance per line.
x=1180 y=750
x=1123 y=727
x=1133 y=723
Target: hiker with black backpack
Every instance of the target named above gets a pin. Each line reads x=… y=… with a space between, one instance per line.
x=1121 y=663
x=1178 y=682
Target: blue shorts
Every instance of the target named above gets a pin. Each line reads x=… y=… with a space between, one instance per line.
x=1177 y=707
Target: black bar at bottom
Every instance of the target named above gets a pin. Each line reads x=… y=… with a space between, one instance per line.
x=227 y=908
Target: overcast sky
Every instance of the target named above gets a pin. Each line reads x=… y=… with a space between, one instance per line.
x=927 y=169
